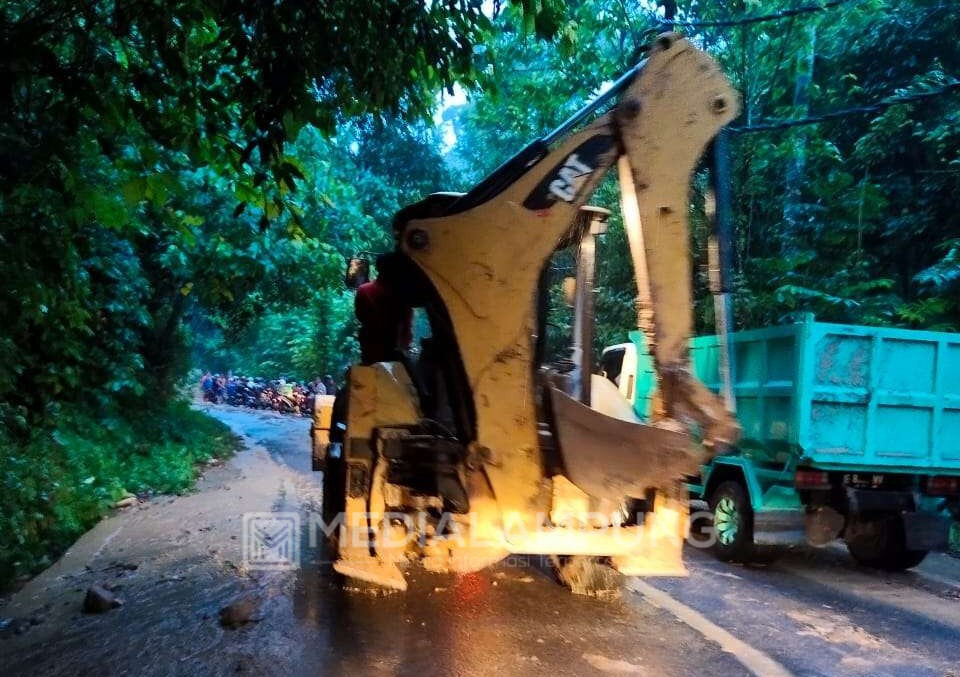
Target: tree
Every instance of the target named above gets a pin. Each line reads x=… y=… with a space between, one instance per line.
x=145 y=167
x=148 y=190
x=354 y=182
x=870 y=186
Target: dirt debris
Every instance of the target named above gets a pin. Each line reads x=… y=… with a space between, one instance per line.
x=588 y=576
x=241 y=611
x=99 y=599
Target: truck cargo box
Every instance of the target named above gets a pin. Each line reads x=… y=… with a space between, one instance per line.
x=842 y=397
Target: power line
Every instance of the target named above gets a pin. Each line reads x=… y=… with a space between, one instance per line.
x=776 y=16
x=775 y=125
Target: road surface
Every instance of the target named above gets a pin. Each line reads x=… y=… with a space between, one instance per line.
x=175 y=562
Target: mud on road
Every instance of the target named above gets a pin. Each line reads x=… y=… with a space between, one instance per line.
x=176 y=563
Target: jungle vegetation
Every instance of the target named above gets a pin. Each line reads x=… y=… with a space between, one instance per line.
x=181 y=181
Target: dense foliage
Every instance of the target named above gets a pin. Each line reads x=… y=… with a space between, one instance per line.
x=853 y=218
x=355 y=181
x=146 y=168
x=151 y=196
x=57 y=485
x=862 y=225
x=180 y=181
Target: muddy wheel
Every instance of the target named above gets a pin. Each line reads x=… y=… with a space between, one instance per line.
x=732 y=523
x=881 y=544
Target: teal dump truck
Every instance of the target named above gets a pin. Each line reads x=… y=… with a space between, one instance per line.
x=848 y=432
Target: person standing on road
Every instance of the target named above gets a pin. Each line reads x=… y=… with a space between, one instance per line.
x=329 y=385
x=219 y=386
x=206 y=386
x=318 y=387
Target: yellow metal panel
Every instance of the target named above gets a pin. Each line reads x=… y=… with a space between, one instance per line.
x=381 y=394
x=323 y=411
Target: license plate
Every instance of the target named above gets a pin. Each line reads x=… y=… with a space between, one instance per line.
x=864 y=480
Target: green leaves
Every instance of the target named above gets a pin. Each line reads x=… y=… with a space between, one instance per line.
x=853 y=219
x=347 y=190
x=146 y=151
x=54 y=486
x=944 y=275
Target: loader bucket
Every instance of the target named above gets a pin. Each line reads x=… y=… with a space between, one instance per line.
x=612 y=458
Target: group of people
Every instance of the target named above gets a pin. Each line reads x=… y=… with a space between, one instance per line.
x=259 y=393
x=385 y=334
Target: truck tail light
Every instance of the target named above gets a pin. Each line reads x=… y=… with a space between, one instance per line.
x=941 y=485
x=811 y=479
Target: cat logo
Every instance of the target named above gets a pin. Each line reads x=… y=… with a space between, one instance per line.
x=570 y=178
x=566 y=181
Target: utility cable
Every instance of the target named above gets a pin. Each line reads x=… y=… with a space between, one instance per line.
x=774 y=125
x=760 y=18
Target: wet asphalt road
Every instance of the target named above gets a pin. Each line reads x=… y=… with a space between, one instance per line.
x=511 y=619
x=174 y=561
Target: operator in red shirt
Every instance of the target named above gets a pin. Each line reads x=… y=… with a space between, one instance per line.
x=386 y=322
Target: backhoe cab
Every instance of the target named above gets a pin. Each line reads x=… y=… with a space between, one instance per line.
x=475 y=452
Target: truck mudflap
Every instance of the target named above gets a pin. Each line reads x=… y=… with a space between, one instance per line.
x=867 y=501
x=779 y=527
x=926 y=532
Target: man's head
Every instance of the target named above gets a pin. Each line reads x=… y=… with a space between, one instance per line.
x=388 y=267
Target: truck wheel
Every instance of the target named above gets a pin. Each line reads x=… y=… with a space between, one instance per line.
x=881 y=544
x=732 y=523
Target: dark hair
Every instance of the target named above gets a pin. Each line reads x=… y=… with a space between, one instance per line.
x=388 y=266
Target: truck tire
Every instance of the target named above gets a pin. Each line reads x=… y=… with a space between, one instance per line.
x=883 y=546
x=732 y=523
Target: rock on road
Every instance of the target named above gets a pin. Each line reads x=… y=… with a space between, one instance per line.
x=175 y=562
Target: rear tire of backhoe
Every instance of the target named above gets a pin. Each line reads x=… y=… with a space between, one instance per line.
x=732 y=523
x=884 y=546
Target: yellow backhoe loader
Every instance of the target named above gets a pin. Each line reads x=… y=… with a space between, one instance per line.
x=476 y=452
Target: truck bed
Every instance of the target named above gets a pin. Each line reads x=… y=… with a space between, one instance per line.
x=843 y=397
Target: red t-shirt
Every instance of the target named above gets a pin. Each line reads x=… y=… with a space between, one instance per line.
x=386 y=326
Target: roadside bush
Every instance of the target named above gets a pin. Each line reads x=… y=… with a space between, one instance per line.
x=60 y=482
